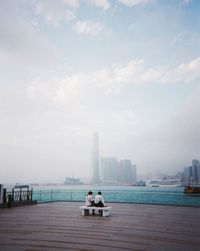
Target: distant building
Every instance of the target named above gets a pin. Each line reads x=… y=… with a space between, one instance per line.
x=109 y=170
x=195 y=170
x=118 y=172
x=192 y=173
x=127 y=172
x=95 y=158
x=72 y=181
x=188 y=174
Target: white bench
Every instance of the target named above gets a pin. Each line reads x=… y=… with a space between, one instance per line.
x=105 y=211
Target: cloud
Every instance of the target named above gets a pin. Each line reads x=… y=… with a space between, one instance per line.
x=56 y=12
x=185 y=2
x=70 y=89
x=72 y=3
x=75 y=88
x=88 y=27
x=136 y=72
x=104 y=4
x=188 y=71
x=132 y=3
x=111 y=79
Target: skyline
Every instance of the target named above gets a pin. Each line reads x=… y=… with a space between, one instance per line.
x=127 y=69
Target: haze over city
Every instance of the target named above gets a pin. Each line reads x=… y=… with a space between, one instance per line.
x=126 y=69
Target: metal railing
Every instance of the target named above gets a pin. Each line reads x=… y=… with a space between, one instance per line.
x=18 y=195
x=143 y=197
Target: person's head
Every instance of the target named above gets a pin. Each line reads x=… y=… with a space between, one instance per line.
x=90 y=193
x=99 y=193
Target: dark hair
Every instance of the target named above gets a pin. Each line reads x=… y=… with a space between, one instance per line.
x=90 y=192
x=99 y=193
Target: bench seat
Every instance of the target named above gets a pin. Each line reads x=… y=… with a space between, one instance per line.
x=105 y=211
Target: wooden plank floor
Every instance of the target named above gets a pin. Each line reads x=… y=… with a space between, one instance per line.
x=60 y=226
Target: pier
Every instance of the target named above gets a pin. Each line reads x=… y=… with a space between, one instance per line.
x=60 y=226
x=16 y=196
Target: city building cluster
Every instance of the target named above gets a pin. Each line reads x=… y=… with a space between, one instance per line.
x=117 y=172
x=109 y=170
x=192 y=173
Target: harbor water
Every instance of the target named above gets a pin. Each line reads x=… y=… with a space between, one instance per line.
x=122 y=194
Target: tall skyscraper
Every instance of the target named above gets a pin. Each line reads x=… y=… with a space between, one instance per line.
x=95 y=158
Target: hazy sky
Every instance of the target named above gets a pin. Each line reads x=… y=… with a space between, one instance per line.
x=127 y=69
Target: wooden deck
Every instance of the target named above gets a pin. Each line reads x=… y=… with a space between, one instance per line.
x=60 y=226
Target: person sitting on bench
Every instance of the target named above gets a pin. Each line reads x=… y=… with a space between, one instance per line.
x=89 y=201
x=99 y=200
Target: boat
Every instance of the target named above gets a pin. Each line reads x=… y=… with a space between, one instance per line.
x=164 y=183
x=192 y=189
x=154 y=183
x=139 y=183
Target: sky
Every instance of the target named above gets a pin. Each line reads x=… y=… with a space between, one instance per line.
x=127 y=69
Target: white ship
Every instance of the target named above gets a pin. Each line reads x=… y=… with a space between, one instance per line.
x=164 y=183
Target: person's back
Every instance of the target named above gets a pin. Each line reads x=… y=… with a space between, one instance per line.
x=99 y=201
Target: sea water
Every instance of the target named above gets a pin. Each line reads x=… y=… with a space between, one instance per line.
x=122 y=194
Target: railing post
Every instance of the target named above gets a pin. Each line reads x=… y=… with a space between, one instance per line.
x=4 y=196
x=20 y=195
x=9 y=200
x=1 y=193
x=13 y=195
x=27 y=195
x=31 y=197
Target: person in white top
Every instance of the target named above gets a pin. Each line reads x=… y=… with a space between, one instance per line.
x=99 y=200
x=89 y=200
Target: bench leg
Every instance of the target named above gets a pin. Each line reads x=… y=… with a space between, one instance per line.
x=105 y=213
x=85 y=212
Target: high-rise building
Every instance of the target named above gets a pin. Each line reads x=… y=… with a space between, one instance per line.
x=118 y=172
x=95 y=158
x=127 y=172
x=109 y=170
x=192 y=173
x=195 y=170
x=188 y=174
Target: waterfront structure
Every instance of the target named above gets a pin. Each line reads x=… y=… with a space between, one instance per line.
x=192 y=173
x=95 y=158
x=72 y=181
x=60 y=226
x=109 y=170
